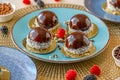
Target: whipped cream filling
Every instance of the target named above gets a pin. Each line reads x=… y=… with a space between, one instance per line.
x=81 y=50
x=111 y=7
x=54 y=27
x=86 y=32
x=38 y=45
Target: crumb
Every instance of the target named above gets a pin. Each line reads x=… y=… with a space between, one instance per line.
x=59 y=47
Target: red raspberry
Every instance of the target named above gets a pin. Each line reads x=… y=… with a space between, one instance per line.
x=61 y=33
x=71 y=75
x=95 y=70
x=27 y=2
x=57 y=0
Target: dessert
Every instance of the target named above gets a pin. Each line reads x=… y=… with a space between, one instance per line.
x=116 y=55
x=112 y=7
x=95 y=70
x=48 y=20
x=5 y=8
x=90 y=77
x=4 y=73
x=39 y=40
x=77 y=45
x=81 y=22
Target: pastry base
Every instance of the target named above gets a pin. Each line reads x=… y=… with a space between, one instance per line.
x=92 y=33
x=68 y=54
x=54 y=31
x=51 y=48
x=104 y=7
x=32 y=25
x=4 y=74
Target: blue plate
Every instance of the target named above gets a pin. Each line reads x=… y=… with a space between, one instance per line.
x=20 y=66
x=95 y=7
x=20 y=31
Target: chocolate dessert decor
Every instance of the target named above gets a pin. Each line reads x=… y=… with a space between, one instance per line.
x=77 y=45
x=117 y=53
x=81 y=23
x=116 y=3
x=47 y=19
x=76 y=40
x=39 y=40
x=39 y=35
x=112 y=7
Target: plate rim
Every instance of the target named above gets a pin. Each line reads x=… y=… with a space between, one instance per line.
x=86 y=7
x=55 y=61
x=23 y=54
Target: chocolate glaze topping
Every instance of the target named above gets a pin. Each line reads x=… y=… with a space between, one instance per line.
x=39 y=34
x=116 y=3
x=76 y=40
x=80 y=22
x=47 y=19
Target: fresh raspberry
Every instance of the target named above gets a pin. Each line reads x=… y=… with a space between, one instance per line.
x=27 y=2
x=95 y=70
x=61 y=33
x=71 y=75
x=57 y=0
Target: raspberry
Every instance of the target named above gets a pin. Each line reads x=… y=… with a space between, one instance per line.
x=27 y=2
x=57 y=0
x=95 y=70
x=61 y=33
x=71 y=75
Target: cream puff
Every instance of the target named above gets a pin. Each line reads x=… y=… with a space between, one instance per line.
x=113 y=5
x=77 y=45
x=48 y=20
x=39 y=40
x=81 y=23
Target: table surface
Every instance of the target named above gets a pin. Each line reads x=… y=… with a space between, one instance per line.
x=49 y=71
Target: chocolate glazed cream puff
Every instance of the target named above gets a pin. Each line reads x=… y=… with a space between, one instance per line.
x=77 y=45
x=39 y=40
x=81 y=23
x=113 y=6
x=48 y=20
